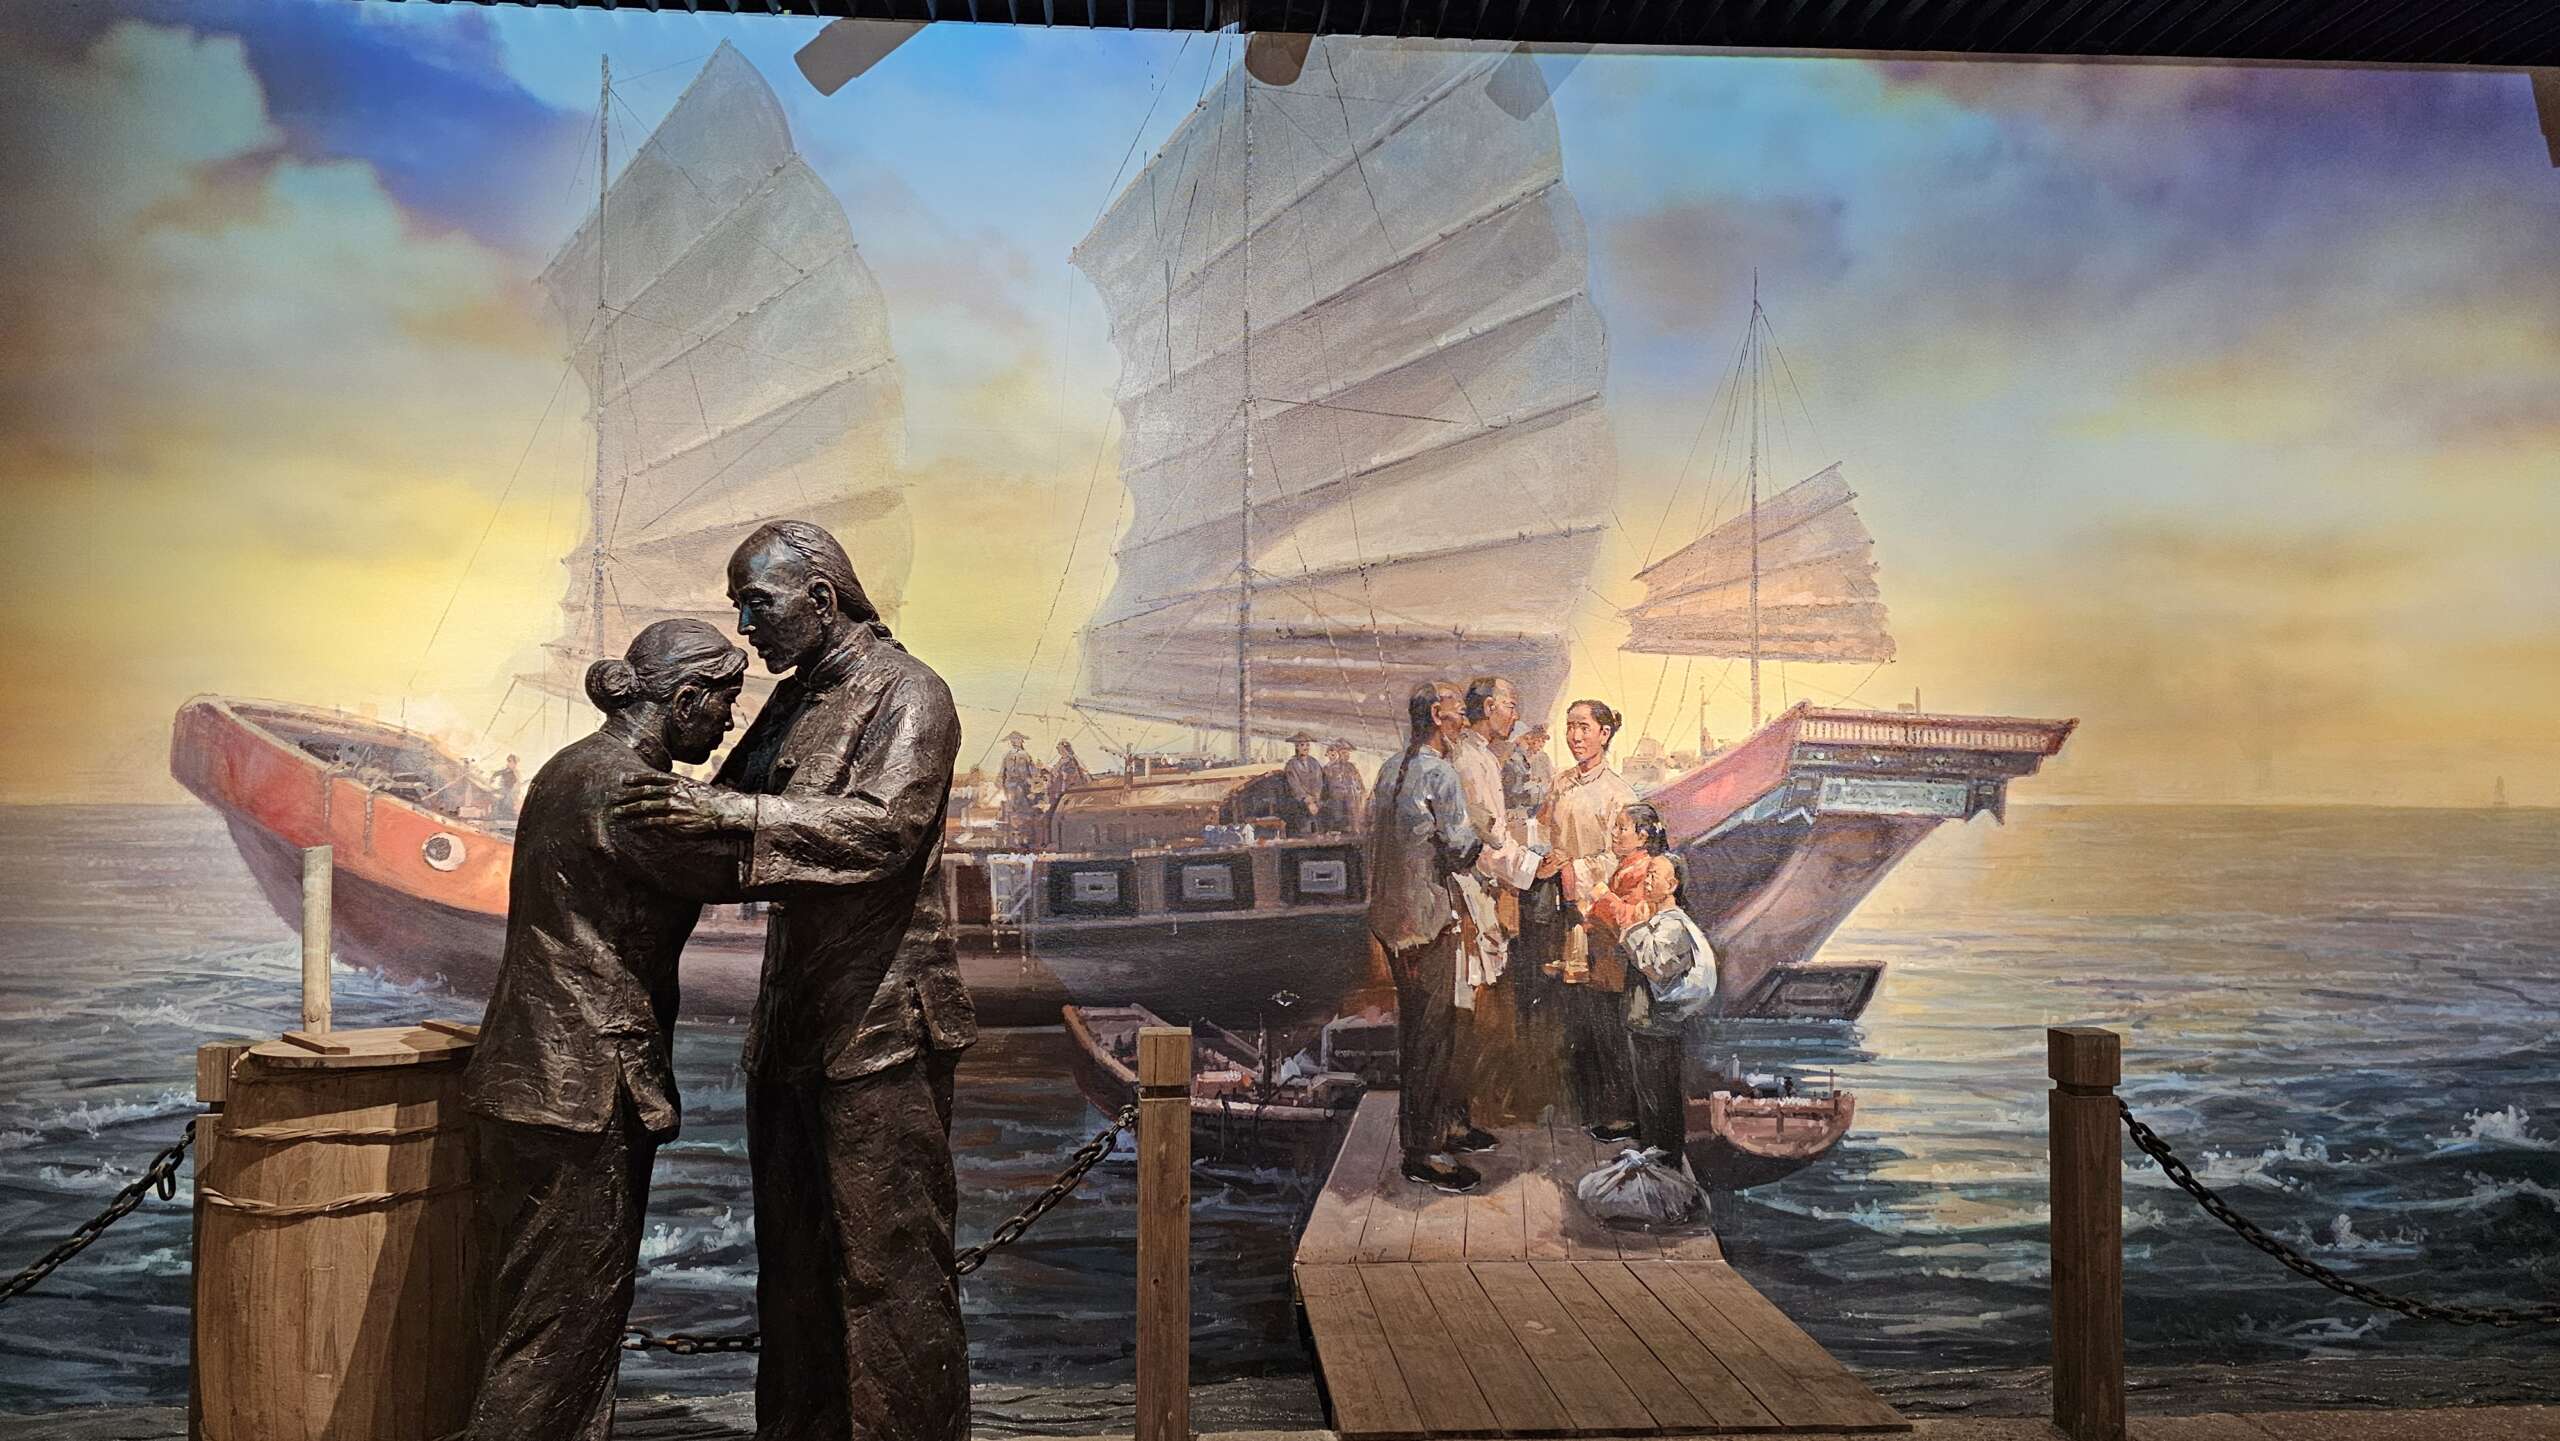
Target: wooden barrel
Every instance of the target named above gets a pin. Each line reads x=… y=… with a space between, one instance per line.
x=334 y=1292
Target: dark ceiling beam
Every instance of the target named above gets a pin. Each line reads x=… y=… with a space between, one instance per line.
x=2435 y=32
x=2531 y=38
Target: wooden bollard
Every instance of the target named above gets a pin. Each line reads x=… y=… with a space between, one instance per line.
x=2087 y=1179
x=1164 y=1233
x=317 y=871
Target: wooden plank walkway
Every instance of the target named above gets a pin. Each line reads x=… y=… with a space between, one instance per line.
x=1510 y=1312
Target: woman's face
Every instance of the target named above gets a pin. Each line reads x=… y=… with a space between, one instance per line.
x=1624 y=838
x=698 y=720
x=1584 y=735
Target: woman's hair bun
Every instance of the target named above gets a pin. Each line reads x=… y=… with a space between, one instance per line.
x=612 y=683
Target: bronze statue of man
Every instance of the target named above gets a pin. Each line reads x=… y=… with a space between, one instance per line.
x=570 y=1089
x=832 y=807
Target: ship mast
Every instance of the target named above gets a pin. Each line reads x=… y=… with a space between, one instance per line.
x=595 y=490
x=1244 y=500
x=1751 y=345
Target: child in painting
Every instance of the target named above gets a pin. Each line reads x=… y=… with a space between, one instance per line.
x=1642 y=884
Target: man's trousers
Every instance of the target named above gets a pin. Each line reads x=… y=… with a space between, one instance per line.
x=1428 y=1095
x=855 y=1201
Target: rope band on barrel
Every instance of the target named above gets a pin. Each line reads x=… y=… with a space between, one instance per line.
x=287 y=1210
x=282 y=1132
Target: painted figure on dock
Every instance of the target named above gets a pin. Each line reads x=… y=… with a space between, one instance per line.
x=1021 y=777
x=1638 y=882
x=832 y=806
x=1528 y=774
x=1346 y=794
x=1500 y=1084
x=1419 y=838
x=1592 y=979
x=1065 y=773
x=502 y=803
x=1304 y=775
x=571 y=1088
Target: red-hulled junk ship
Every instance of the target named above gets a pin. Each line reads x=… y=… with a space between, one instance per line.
x=736 y=355
x=1783 y=834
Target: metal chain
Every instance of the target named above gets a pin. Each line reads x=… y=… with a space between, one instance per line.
x=2158 y=1150
x=969 y=1258
x=1087 y=1156
x=161 y=1175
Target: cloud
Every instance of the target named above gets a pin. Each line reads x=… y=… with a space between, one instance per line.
x=252 y=411
x=1654 y=258
x=2212 y=663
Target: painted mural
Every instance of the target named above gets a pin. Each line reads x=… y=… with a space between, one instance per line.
x=2054 y=544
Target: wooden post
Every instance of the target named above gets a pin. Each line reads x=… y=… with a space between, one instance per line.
x=2087 y=1179
x=1164 y=1233
x=317 y=871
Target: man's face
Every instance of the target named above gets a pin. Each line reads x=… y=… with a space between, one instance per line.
x=780 y=611
x=1302 y=747
x=1583 y=736
x=699 y=720
x=1449 y=711
x=1502 y=709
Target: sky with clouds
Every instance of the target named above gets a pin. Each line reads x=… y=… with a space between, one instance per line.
x=2216 y=406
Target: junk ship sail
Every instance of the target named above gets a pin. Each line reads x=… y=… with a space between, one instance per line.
x=1362 y=437
x=735 y=351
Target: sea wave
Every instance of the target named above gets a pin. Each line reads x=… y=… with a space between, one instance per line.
x=2486 y=1192
x=2318 y=1332
x=1885 y=1219
x=2343 y=1239
x=159 y=1261
x=714 y=1276
x=18 y=1140
x=2504 y=1128
x=1957 y=1325
x=2239 y=1168
x=724 y=1233
x=90 y=1119
x=165 y=1013
x=105 y=1176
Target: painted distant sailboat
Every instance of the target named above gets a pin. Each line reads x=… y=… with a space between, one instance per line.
x=736 y=354
x=2498 y=794
x=1785 y=833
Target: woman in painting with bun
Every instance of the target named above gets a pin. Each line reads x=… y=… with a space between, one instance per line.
x=571 y=1088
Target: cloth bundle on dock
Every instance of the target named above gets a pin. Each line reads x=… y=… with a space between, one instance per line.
x=1641 y=1188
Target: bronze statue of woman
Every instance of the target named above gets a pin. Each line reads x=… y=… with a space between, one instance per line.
x=571 y=1089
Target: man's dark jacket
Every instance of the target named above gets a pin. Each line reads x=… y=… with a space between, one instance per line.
x=850 y=766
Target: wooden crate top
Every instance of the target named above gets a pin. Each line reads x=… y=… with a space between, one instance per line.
x=420 y=1044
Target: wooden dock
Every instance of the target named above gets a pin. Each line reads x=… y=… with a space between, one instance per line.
x=1511 y=1313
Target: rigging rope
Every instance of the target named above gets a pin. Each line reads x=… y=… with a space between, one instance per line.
x=494 y=512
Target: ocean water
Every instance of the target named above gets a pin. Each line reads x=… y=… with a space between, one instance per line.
x=2344 y=1018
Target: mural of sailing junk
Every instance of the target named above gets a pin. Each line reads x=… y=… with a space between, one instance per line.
x=1364 y=443
x=1784 y=833
x=1379 y=456
x=1348 y=307
x=735 y=350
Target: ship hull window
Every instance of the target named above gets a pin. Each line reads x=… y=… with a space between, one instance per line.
x=1209 y=884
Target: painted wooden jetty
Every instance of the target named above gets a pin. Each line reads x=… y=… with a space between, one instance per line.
x=1509 y=1312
